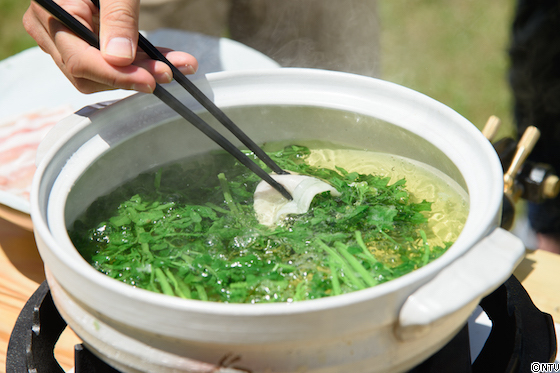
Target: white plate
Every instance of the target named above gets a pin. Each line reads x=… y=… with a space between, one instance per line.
x=30 y=80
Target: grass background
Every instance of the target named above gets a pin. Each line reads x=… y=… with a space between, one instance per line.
x=13 y=37
x=452 y=50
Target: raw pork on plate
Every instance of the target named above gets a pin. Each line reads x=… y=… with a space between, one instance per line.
x=19 y=138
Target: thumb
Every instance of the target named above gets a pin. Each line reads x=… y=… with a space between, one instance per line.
x=118 y=30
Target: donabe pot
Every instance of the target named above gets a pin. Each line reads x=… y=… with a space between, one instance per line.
x=387 y=328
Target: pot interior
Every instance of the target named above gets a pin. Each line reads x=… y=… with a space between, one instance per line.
x=271 y=126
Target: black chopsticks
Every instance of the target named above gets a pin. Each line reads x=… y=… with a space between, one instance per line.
x=87 y=35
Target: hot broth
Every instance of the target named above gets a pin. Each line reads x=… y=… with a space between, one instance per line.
x=189 y=230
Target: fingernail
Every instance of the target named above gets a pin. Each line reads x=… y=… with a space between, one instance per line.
x=164 y=78
x=190 y=69
x=119 y=47
x=187 y=70
x=144 y=88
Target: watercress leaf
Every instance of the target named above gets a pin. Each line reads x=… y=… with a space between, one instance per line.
x=120 y=220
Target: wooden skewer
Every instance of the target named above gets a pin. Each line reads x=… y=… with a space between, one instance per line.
x=491 y=127
x=524 y=148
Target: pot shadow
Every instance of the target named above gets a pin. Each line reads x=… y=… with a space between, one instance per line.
x=20 y=252
x=524 y=268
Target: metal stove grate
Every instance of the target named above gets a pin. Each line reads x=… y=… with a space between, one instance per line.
x=521 y=334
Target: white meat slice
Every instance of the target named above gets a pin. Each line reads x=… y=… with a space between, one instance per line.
x=270 y=206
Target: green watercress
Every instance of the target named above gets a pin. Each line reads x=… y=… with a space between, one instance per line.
x=189 y=230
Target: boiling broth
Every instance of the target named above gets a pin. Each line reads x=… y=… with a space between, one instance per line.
x=449 y=201
x=124 y=235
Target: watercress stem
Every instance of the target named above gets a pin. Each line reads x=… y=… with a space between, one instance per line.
x=358 y=267
x=347 y=268
x=162 y=280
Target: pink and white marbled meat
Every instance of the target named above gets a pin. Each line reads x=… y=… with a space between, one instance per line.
x=19 y=139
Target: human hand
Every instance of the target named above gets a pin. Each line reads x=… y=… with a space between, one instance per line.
x=118 y=63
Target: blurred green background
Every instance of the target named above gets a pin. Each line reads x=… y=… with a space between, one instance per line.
x=452 y=50
x=13 y=37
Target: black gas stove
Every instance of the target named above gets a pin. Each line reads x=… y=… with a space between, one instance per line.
x=520 y=335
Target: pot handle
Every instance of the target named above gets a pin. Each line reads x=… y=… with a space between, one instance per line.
x=468 y=279
x=63 y=128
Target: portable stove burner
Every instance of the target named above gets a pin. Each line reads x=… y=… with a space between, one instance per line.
x=521 y=334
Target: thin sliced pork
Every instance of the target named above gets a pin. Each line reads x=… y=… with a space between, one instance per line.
x=19 y=139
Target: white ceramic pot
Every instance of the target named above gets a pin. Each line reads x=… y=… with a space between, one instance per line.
x=388 y=328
